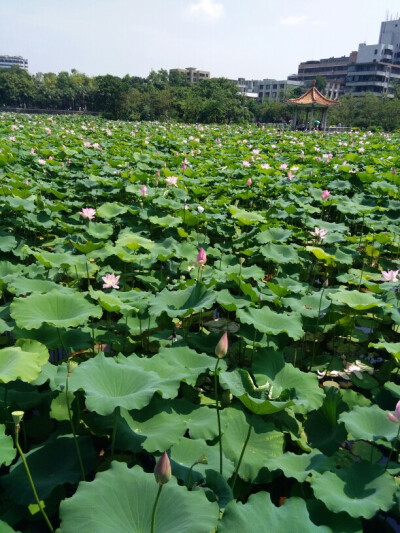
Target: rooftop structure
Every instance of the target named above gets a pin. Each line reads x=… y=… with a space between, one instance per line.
x=378 y=64
x=192 y=74
x=267 y=89
x=333 y=69
x=13 y=61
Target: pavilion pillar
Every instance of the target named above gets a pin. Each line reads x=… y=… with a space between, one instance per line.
x=324 y=118
x=294 y=119
x=311 y=118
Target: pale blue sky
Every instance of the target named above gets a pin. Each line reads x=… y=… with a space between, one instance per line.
x=231 y=38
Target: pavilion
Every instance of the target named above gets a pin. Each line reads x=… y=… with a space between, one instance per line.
x=312 y=100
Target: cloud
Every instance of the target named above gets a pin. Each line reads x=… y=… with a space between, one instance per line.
x=294 y=21
x=206 y=9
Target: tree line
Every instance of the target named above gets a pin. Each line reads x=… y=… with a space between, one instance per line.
x=169 y=96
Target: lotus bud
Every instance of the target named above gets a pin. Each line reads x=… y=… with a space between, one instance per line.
x=202 y=460
x=162 y=470
x=249 y=182
x=201 y=257
x=326 y=283
x=222 y=347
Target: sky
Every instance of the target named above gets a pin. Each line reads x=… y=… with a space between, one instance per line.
x=253 y=39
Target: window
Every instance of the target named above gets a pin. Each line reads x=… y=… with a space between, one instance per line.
x=376 y=51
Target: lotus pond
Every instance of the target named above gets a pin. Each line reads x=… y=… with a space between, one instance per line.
x=228 y=295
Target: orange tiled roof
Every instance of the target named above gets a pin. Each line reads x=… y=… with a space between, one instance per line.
x=312 y=96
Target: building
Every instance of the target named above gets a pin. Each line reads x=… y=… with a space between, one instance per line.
x=377 y=65
x=267 y=89
x=13 y=61
x=333 y=69
x=192 y=74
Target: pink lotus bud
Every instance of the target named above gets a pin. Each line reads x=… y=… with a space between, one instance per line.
x=201 y=257
x=222 y=347
x=325 y=194
x=158 y=173
x=249 y=182
x=162 y=470
x=395 y=417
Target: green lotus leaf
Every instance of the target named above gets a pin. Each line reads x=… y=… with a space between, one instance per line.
x=109 y=384
x=267 y=321
x=301 y=466
x=230 y=302
x=133 y=493
x=57 y=260
x=311 y=305
x=369 y=423
x=99 y=230
x=23 y=361
x=5 y=528
x=110 y=210
x=21 y=286
x=174 y=365
x=7 y=243
x=280 y=253
x=7 y=450
x=54 y=308
x=391 y=347
x=51 y=464
x=246 y=218
x=256 y=399
x=360 y=490
x=321 y=255
x=287 y=382
x=355 y=299
x=260 y=514
x=187 y=451
x=264 y=443
x=158 y=432
x=133 y=241
x=273 y=235
x=182 y=302
x=166 y=222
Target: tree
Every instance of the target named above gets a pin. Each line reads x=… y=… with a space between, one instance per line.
x=320 y=83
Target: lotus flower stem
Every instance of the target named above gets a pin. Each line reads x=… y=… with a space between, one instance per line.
x=316 y=327
x=78 y=451
x=153 y=516
x=393 y=447
x=28 y=473
x=241 y=457
x=218 y=415
x=114 y=432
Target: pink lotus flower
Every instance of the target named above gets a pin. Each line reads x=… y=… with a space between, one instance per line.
x=110 y=281
x=32 y=151
x=319 y=232
x=246 y=163
x=325 y=194
x=256 y=151
x=162 y=470
x=87 y=144
x=222 y=347
x=395 y=417
x=290 y=175
x=88 y=212
x=389 y=275
x=200 y=209
x=27 y=182
x=41 y=161
x=48 y=131
x=201 y=257
x=143 y=191
x=249 y=182
x=187 y=207
x=172 y=180
x=265 y=165
x=283 y=166
x=12 y=139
